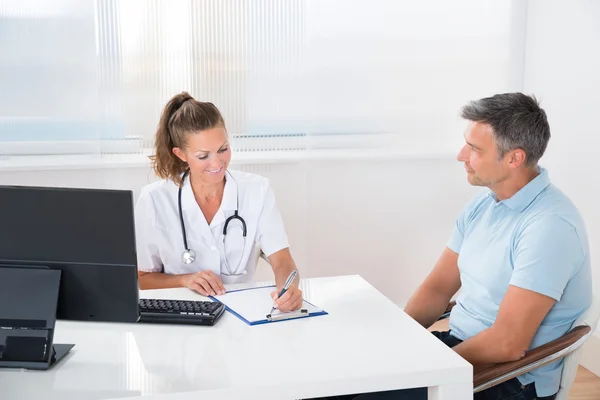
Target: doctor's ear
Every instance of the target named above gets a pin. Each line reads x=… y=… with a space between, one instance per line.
x=179 y=153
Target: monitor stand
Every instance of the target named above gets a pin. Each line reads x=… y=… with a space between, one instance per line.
x=28 y=303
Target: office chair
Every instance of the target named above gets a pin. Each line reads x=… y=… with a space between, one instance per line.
x=258 y=258
x=258 y=254
x=568 y=347
x=262 y=255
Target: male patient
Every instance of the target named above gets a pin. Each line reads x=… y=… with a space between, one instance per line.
x=518 y=253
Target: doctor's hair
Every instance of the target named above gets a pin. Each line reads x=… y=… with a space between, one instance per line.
x=183 y=115
x=517 y=121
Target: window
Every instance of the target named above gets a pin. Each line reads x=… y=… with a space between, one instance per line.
x=91 y=77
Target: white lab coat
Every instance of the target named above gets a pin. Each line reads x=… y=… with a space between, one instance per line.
x=159 y=239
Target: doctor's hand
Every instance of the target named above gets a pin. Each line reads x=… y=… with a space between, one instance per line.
x=204 y=282
x=290 y=301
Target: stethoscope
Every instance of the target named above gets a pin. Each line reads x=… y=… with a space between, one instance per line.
x=188 y=256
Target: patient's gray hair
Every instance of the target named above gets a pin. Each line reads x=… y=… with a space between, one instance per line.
x=517 y=120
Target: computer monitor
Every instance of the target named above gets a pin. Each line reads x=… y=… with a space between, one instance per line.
x=87 y=234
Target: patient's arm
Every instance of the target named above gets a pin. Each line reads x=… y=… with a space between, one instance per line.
x=430 y=300
x=519 y=316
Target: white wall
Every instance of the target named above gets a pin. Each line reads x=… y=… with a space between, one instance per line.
x=386 y=219
x=562 y=68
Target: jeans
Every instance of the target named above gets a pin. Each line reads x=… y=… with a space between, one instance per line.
x=509 y=390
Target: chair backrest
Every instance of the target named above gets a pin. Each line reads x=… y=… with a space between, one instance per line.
x=571 y=362
x=257 y=253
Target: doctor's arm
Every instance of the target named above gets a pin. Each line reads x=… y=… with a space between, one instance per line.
x=204 y=282
x=430 y=300
x=158 y=280
x=274 y=243
x=283 y=264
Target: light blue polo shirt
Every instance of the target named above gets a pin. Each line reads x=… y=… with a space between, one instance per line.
x=535 y=240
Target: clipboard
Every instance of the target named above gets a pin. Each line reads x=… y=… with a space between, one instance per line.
x=252 y=305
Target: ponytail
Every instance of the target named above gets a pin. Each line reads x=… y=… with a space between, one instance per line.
x=182 y=115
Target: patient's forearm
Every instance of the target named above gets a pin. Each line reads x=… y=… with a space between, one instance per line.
x=489 y=347
x=426 y=306
x=159 y=280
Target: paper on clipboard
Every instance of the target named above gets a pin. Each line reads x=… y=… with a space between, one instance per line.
x=252 y=305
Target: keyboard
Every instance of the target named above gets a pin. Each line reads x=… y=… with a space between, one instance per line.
x=180 y=311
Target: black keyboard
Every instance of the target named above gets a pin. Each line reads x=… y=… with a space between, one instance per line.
x=180 y=311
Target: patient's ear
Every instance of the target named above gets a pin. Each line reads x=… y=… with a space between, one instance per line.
x=516 y=158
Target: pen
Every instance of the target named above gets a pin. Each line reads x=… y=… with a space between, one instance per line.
x=286 y=286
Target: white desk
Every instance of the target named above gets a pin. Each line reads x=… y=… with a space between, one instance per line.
x=366 y=343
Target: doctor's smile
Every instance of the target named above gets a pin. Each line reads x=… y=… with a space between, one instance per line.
x=217 y=171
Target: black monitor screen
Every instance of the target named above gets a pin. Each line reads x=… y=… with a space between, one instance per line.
x=88 y=234
x=67 y=225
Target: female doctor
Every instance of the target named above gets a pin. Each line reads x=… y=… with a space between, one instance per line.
x=202 y=224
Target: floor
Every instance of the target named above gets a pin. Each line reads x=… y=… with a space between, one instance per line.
x=586 y=386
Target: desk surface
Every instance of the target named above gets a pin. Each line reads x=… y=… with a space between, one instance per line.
x=366 y=343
